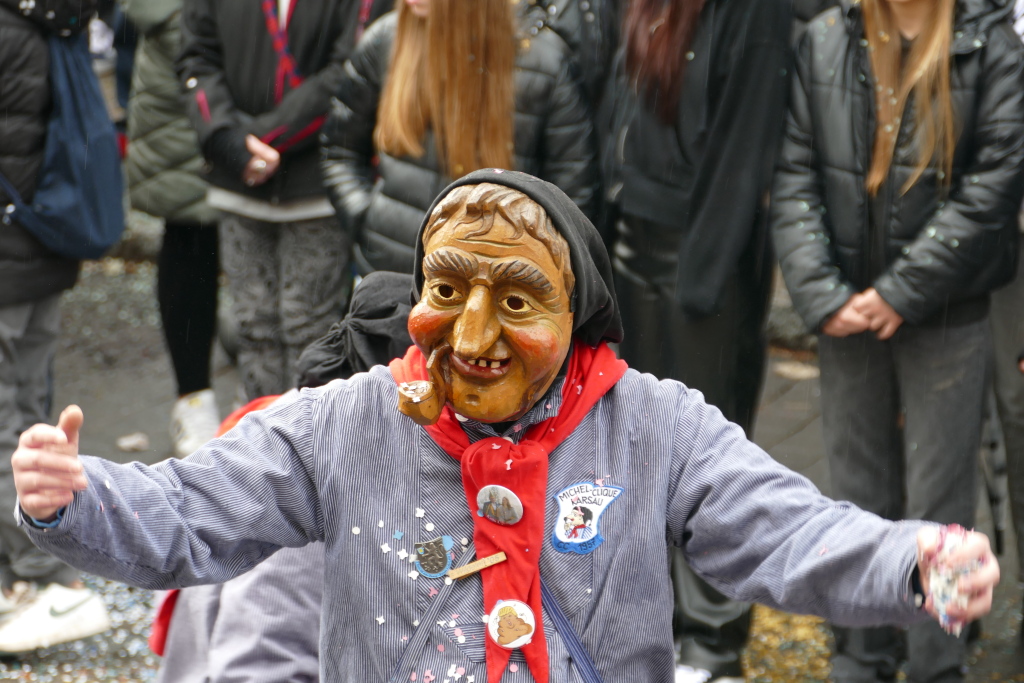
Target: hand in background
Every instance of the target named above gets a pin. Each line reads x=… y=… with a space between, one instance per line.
x=263 y=164
x=883 y=319
x=46 y=468
x=846 y=321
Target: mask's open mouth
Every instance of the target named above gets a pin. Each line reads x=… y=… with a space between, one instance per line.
x=482 y=368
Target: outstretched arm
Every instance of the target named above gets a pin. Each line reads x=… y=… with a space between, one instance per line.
x=204 y=519
x=760 y=532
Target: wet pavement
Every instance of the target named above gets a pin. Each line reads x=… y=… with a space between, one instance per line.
x=112 y=362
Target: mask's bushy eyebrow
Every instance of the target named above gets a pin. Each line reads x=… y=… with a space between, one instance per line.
x=525 y=274
x=450 y=261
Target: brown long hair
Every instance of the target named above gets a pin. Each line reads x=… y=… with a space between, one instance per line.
x=455 y=73
x=926 y=75
x=658 y=35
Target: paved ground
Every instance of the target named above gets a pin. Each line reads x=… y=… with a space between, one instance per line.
x=112 y=363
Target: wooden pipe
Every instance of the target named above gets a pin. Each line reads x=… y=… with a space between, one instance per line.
x=423 y=400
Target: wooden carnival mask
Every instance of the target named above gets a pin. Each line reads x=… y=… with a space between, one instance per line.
x=494 y=314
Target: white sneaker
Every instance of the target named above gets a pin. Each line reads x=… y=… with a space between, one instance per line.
x=194 y=421
x=57 y=615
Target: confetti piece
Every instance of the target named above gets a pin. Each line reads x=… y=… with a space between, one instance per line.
x=402 y=554
x=495 y=446
x=420 y=512
x=405 y=638
x=465 y=541
x=458 y=632
x=461 y=670
x=429 y=526
x=101 y=507
x=441 y=623
x=824 y=549
x=513 y=667
x=447 y=581
x=380 y=620
x=440 y=647
x=416 y=623
x=412 y=676
x=461 y=639
x=599 y=482
x=107 y=482
x=428 y=677
x=433 y=591
x=398 y=535
x=136 y=515
x=385 y=548
x=380 y=524
x=508 y=464
x=470 y=679
x=455 y=616
x=414 y=575
x=451 y=624
x=355 y=530
x=412 y=558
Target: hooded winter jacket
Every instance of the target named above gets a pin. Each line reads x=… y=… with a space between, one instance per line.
x=239 y=79
x=28 y=270
x=553 y=134
x=935 y=253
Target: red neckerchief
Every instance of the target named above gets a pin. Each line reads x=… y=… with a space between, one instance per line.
x=592 y=372
x=287 y=68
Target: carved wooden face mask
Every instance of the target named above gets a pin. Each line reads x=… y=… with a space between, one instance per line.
x=497 y=297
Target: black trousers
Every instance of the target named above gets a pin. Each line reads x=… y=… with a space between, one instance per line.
x=723 y=356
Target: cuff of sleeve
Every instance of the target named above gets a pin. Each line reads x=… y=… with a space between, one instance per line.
x=46 y=525
x=226 y=148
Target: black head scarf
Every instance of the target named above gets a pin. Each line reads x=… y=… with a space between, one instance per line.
x=595 y=309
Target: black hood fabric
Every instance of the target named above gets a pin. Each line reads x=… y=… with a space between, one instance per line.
x=373 y=333
x=596 y=311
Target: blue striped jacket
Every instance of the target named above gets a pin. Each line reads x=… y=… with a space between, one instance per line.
x=341 y=465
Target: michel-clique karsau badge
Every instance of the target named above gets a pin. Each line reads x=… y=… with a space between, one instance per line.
x=580 y=507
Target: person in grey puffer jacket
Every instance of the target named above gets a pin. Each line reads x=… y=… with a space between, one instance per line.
x=163 y=170
x=382 y=207
x=892 y=263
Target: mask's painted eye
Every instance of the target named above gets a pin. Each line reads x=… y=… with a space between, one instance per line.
x=445 y=292
x=516 y=304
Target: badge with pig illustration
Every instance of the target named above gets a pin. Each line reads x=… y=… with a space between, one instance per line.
x=511 y=624
x=433 y=558
x=580 y=507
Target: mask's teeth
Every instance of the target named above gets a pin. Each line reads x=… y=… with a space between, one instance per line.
x=471 y=361
x=495 y=363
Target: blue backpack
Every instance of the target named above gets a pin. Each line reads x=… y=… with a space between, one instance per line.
x=77 y=209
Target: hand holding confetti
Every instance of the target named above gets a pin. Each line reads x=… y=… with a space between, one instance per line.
x=958 y=574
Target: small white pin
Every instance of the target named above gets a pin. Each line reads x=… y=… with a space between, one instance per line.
x=385 y=548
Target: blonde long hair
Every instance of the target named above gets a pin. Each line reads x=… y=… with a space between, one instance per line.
x=926 y=75
x=455 y=73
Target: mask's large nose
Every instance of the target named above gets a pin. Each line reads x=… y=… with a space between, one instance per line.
x=477 y=328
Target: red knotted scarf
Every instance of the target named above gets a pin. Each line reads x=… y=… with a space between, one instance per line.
x=591 y=373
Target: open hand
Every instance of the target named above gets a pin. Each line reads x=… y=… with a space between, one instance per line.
x=47 y=471
x=976 y=585
x=883 y=319
x=846 y=321
x=263 y=164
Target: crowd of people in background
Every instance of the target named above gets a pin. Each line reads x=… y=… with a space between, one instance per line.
x=872 y=149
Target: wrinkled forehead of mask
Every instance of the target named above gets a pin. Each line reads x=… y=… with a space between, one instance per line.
x=596 y=315
x=477 y=207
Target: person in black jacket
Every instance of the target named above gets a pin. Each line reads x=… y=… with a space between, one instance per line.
x=892 y=222
x=31 y=281
x=695 y=105
x=523 y=110
x=258 y=77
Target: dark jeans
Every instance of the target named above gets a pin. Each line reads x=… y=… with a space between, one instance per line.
x=935 y=378
x=723 y=356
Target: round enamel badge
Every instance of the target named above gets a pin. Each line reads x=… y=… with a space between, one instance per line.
x=511 y=624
